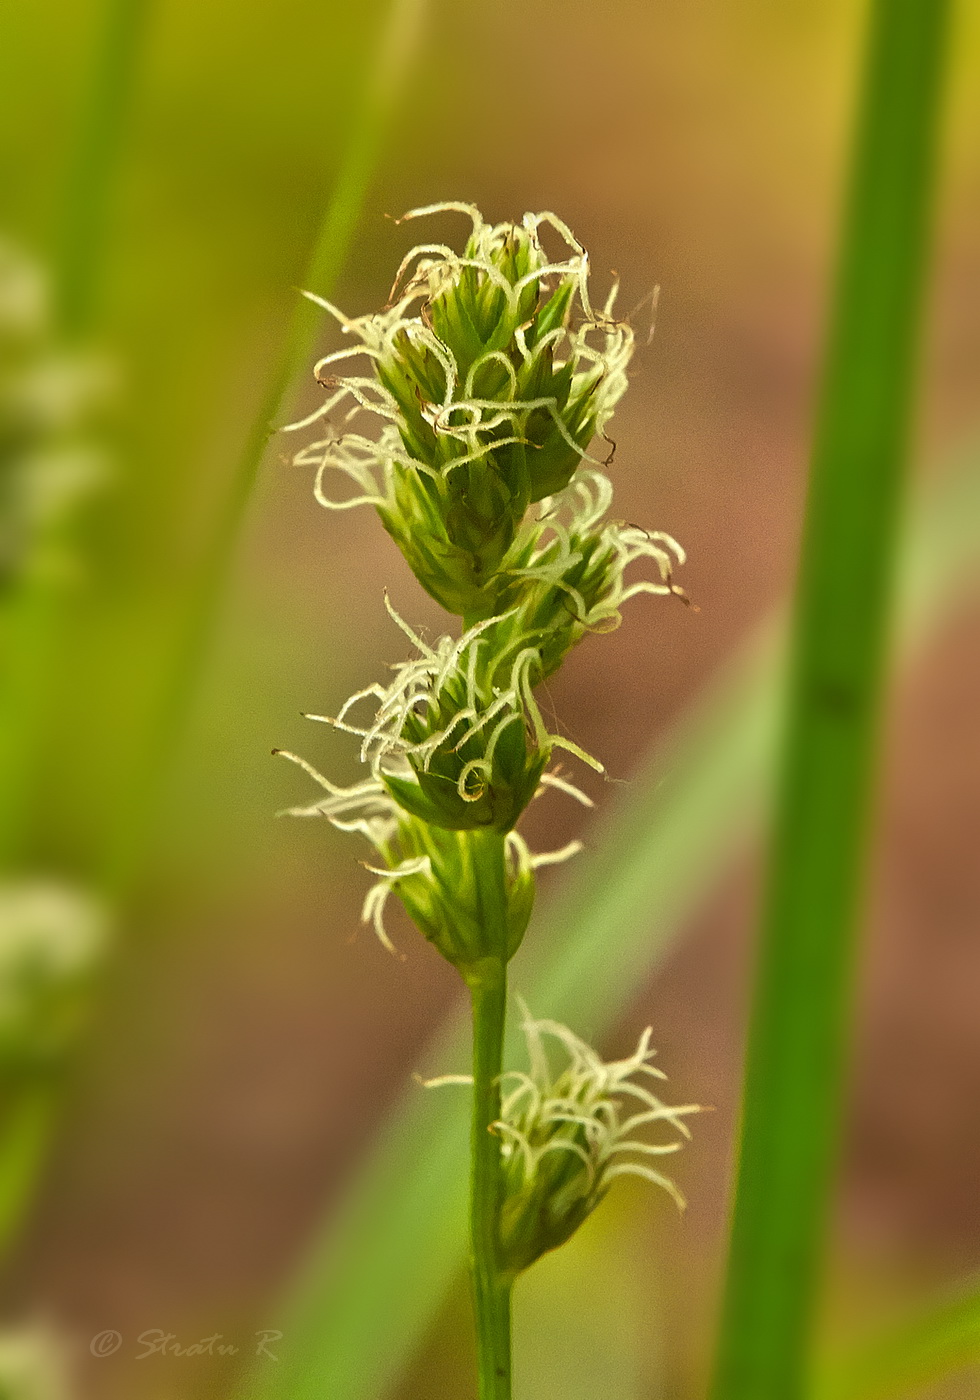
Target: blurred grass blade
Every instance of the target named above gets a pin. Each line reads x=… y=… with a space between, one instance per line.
x=796 y=1043
x=398 y=1239
x=396 y=46
x=31 y=630
x=82 y=243
x=909 y=1356
x=25 y=1131
x=36 y=611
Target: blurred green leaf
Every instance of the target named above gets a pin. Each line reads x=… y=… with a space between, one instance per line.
x=380 y=88
x=932 y=1343
x=242 y=121
x=377 y=1277
x=93 y=173
x=37 y=608
x=38 y=665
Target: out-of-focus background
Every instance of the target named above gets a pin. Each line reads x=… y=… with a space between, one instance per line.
x=248 y=1035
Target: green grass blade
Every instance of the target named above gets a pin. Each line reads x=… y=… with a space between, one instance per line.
x=82 y=242
x=389 y=65
x=32 y=633
x=910 y=1355
x=397 y=44
x=796 y=1044
x=25 y=1132
x=399 y=1238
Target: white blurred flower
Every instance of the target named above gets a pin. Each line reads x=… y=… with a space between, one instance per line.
x=33 y=1364
x=52 y=936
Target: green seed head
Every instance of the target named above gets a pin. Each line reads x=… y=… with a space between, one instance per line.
x=566 y=576
x=456 y=875
x=566 y=1137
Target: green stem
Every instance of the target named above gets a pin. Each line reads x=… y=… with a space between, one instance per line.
x=796 y=1054
x=491 y=1289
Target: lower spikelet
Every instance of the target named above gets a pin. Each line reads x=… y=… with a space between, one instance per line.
x=566 y=1136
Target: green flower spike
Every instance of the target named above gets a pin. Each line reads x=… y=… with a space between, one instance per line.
x=566 y=1138
x=491 y=374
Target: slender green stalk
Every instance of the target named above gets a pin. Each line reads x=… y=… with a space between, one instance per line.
x=910 y=1355
x=382 y=86
x=648 y=868
x=491 y=1291
x=796 y=1051
x=487 y=981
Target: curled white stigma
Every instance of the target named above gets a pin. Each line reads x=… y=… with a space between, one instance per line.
x=426 y=272
x=583 y=1110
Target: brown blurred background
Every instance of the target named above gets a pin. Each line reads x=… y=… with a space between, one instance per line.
x=250 y=1035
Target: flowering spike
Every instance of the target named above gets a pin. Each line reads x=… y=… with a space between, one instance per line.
x=491 y=374
x=563 y=1136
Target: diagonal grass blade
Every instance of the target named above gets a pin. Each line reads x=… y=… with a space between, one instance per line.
x=910 y=1355
x=382 y=85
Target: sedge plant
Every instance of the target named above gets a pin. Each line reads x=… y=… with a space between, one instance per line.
x=487 y=380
